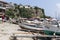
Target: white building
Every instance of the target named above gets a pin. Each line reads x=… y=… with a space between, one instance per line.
x=3 y=7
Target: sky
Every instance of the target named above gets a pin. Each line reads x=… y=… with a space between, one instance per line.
x=51 y=7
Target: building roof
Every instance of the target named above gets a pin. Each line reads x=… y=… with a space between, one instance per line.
x=3 y=2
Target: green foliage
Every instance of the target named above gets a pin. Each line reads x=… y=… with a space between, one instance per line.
x=47 y=17
x=36 y=10
x=25 y=13
x=43 y=13
x=10 y=13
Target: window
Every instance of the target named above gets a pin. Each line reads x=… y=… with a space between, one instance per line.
x=1 y=4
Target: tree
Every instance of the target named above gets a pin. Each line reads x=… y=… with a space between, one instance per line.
x=10 y=13
x=36 y=10
x=16 y=10
x=25 y=13
x=43 y=13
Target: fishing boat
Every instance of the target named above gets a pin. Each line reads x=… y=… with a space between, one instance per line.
x=52 y=28
x=49 y=28
x=30 y=26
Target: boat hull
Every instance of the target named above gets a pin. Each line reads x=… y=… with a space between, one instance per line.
x=47 y=32
x=30 y=28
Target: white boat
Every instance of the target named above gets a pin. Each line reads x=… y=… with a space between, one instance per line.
x=30 y=26
x=48 y=28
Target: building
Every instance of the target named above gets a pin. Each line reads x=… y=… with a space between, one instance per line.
x=25 y=6
x=3 y=7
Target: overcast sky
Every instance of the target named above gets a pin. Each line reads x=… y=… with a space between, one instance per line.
x=52 y=7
